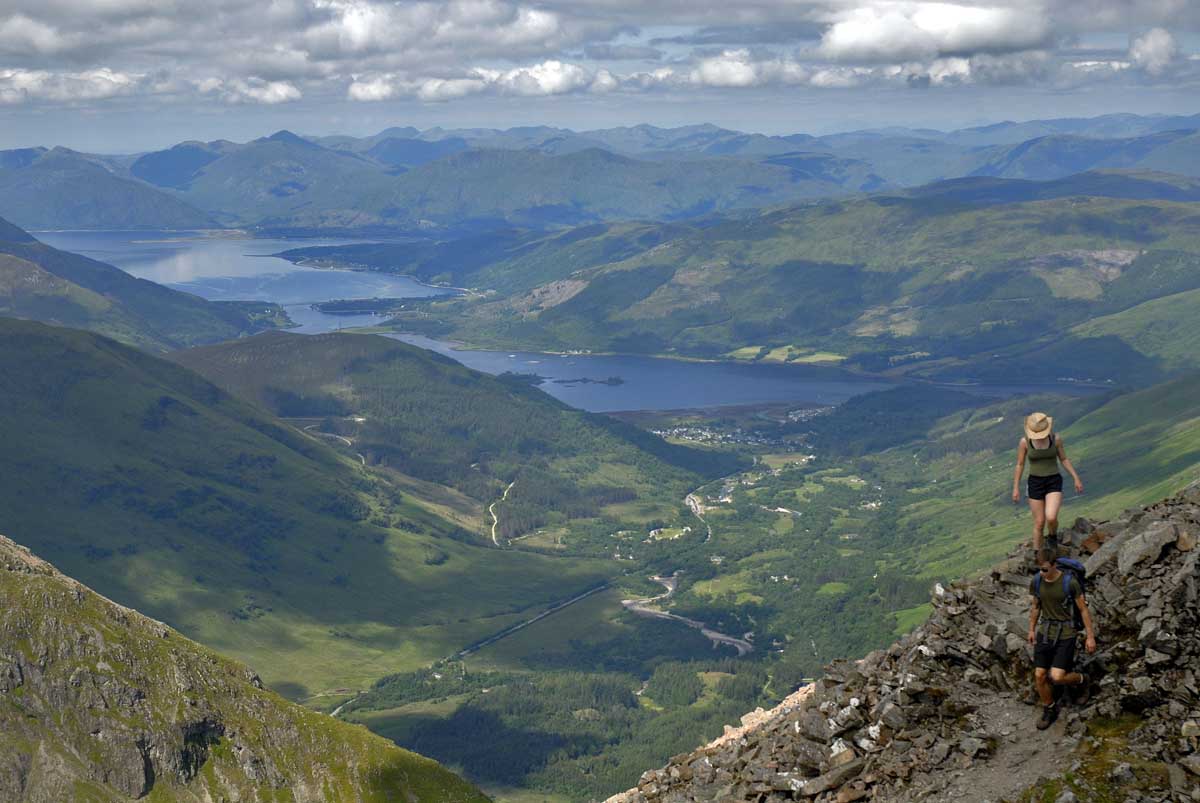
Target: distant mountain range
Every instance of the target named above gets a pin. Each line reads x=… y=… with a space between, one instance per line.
x=456 y=180
x=42 y=283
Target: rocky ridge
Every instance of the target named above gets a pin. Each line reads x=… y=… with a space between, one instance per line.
x=946 y=713
x=100 y=703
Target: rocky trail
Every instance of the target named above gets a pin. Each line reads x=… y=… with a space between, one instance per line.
x=941 y=714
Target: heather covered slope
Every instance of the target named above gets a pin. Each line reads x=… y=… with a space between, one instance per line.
x=41 y=283
x=933 y=285
x=938 y=716
x=161 y=491
x=100 y=703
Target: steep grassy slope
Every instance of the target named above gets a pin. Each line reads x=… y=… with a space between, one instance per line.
x=163 y=492
x=938 y=285
x=430 y=417
x=61 y=189
x=99 y=703
x=42 y=283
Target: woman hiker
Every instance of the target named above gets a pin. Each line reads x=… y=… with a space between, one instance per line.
x=1044 y=451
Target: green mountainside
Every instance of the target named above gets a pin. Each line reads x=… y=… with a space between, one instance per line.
x=99 y=703
x=824 y=552
x=42 y=283
x=284 y=181
x=1056 y=156
x=161 y=491
x=928 y=285
x=59 y=189
x=430 y=417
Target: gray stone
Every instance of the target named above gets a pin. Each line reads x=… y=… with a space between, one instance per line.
x=1191 y=763
x=1156 y=658
x=1122 y=773
x=1186 y=541
x=1107 y=552
x=832 y=779
x=1147 y=544
x=1067 y=796
x=971 y=747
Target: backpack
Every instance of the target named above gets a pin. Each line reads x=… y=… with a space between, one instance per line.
x=1069 y=568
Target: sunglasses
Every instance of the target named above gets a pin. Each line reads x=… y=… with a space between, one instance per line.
x=1046 y=569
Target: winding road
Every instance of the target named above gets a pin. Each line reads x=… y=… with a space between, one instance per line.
x=310 y=430
x=492 y=511
x=641 y=608
x=697 y=508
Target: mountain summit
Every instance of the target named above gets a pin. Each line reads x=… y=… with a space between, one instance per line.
x=940 y=715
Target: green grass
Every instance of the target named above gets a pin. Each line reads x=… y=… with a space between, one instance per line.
x=909 y=618
x=833 y=589
x=1167 y=329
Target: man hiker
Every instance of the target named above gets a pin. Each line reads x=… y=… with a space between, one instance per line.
x=1044 y=451
x=1052 y=633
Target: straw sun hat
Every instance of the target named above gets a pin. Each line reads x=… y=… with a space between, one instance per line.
x=1038 y=426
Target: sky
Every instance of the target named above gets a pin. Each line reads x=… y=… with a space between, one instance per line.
x=123 y=76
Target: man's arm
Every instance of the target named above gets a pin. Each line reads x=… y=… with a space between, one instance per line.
x=1034 y=610
x=1088 y=627
x=1062 y=458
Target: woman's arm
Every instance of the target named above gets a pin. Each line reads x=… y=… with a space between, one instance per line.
x=1062 y=458
x=1020 y=469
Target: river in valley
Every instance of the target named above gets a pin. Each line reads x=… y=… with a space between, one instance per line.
x=221 y=267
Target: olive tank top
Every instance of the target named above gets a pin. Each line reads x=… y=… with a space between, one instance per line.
x=1042 y=462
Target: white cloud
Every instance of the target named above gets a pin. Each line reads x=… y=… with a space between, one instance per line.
x=251 y=90
x=739 y=68
x=21 y=34
x=20 y=86
x=551 y=77
x=273 y=51
x=891 y=31
x=1153 y=51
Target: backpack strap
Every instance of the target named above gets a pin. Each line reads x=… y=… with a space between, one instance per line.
x=1067 y=586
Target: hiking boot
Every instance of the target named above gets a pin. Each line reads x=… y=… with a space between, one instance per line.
x=1049 y=714
x=1083 y=694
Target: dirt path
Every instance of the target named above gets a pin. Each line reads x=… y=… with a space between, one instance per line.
x=492 y=511
x=641 y=608
x=1023 y=756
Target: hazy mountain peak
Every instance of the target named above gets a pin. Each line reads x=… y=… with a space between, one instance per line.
x=285 y=136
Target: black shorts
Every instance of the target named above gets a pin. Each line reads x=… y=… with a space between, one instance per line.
x=1057 y=654
x=1038 y=487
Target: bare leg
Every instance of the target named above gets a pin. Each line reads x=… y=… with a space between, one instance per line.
x=1044 y=690
x=1053 y=504
x=1061 y=677
x=1038 y=508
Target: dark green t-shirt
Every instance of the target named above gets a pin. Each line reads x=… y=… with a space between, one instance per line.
x=1056 y=609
